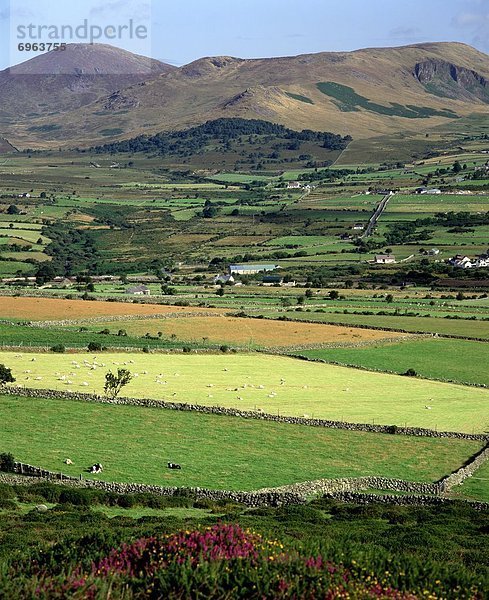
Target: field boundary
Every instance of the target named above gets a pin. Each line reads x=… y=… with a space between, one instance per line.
x=48 y=394
x=344 y=489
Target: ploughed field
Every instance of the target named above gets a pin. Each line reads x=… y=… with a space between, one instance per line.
x=53 y=309
x=134 y=445
x=278 y=385
x=250 y=332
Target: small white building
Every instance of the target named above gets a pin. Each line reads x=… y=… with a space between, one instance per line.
x=385 y=259
x=138 y=290
x=461 y=262
x=294 y=185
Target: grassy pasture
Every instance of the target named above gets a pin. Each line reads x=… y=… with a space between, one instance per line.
x=134 y=444
x=477 y=486
x=28 y=235
x=252 y=332
x=457 y=360
x=275 y=384
x=428 y=203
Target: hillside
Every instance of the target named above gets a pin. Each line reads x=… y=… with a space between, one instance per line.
x=56 y=82
x=366 y=93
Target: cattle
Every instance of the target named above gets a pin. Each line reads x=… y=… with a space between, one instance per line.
x=96 y=468
x=173 y=466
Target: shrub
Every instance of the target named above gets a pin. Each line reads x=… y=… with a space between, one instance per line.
x=224 y=348
x=58 y=348
x=7 y=462
x=146 y=349
x=410 y=373
x=94 y=347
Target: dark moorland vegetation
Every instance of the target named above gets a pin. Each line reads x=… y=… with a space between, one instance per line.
x=304 y=550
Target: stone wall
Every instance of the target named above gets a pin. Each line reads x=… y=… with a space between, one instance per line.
x=459 y=476
x=234 y=412
x=361 y=498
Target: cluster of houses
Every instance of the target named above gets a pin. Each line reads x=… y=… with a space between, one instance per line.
x=464 y=262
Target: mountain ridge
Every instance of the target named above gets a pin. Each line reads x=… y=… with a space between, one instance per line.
x=365 y=93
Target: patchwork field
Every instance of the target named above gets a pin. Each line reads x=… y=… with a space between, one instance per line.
x=274 y=384
x=457 y=360
x=134 y=444
x=40 y=309
x=249 y=332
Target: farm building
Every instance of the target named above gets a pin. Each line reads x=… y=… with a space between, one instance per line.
x=433 y=252
x=251 y=269
x=358 y=227
x=138 y=290
x=460 y=262
x=385 y=259
x=294 y=185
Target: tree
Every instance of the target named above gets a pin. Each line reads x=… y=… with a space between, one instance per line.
x=114 y=383
x=389 y=298
x=457 y=167
x=334 y=295
x=6 y=375
x=13 y=210
x=220 y=292
x=309 y=293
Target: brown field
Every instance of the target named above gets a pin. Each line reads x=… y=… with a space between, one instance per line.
x=41 y=309
x=188 y=238
x=241 y=240
x=252 y=332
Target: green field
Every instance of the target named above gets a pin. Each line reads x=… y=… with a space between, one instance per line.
x=274 y=384
x=460 y=327
x=134 y=444
x=456 y=360
x=477 y=486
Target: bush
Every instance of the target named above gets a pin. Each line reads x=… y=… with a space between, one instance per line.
x=75 y=497
x=94 y=347
x=7 y=462
x=410 y=373
x=146 y=349
x=58 y=348
x=224 y=348
x=7 y=504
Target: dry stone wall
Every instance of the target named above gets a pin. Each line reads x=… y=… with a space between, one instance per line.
x=234 y=412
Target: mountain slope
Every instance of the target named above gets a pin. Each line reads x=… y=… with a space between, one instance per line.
x=365 y=93
x=60 y=81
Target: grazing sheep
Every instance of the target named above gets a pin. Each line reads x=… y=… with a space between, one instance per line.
x=68 y=461
x=38 y=379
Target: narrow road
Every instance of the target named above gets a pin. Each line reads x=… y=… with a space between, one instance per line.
x=376 y=216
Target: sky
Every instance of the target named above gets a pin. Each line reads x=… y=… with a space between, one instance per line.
x=180 y=31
